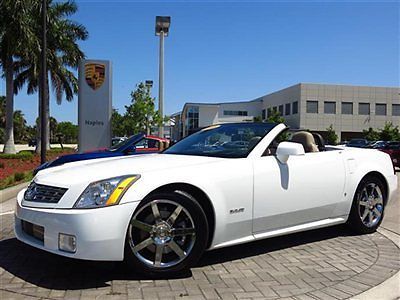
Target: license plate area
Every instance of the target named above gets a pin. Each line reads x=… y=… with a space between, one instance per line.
x=33 y=230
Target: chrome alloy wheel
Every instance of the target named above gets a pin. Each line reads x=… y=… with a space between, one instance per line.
x=371 y=205
x=161 y=234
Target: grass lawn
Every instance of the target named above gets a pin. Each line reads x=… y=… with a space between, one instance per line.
x=17 y=168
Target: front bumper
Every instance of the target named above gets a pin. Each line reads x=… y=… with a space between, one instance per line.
x=100 y=232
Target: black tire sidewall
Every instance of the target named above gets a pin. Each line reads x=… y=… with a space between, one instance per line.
x=355 y=219
x=201 y=226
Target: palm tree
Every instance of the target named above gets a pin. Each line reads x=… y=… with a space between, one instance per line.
x=63 y=56
x=15 y=37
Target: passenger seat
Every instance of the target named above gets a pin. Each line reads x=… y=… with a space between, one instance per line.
x=306 y=139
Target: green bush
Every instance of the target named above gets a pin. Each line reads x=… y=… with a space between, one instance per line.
x=25 y=155
x=19 y=176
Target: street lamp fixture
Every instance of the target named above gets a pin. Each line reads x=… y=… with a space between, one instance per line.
x=162 y=29
x=162 y=25
x=148 y=84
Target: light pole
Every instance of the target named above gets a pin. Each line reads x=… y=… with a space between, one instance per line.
x=162 y=30
x=43 y=84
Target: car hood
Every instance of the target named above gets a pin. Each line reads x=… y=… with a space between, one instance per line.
x=88 y=171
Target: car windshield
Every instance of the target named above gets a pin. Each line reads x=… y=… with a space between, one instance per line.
x=226 y=140
x=124 y=143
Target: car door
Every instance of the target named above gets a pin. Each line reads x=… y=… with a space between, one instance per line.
x=305 y=189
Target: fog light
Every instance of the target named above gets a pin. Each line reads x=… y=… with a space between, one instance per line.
x=67 y=243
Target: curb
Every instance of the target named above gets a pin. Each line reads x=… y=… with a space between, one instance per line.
x=12 y=192
x=390 y=288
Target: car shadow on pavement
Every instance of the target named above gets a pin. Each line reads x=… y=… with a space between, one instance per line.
x=51 y=271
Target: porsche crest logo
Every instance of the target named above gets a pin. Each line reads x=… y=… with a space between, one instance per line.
x=95 y=75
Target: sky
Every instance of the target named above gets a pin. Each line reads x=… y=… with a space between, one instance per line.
x=234 y=50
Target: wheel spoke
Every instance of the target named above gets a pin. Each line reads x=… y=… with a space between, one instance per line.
x=142 y=226
x=158 y=256
x=142 y=245
x=175 y=247
x=365 y=214
x=156 y=212
x=174 y=215
x=183 y=231
x=363 y=202
x=377 y=212
x=371 y=217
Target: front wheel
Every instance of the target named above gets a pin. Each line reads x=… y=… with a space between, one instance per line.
x=368 y=205
x=167 y=233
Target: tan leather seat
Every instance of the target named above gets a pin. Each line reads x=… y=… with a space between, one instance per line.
x=306 y=139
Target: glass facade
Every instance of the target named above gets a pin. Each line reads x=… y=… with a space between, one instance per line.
x=192 y=119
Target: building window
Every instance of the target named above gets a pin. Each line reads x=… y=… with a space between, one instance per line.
x=380 y=109
x=192 y=118
x=312 y=107
x=329 y=107
x=235 y=113
x=395 y=109
x=363 y=109
x=263 y=114
x=347 y=108
x=281 y=110
x=295 y=107
x=275 y=108
x=287 y=109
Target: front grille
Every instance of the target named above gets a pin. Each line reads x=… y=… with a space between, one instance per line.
x=43 y=193
x=33 y=230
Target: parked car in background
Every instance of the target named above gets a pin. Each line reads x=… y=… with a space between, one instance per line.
x=393 y=149
x=117 y=140
x=136 y=144
x=32 y=143
x=377 y=144
x=357 y=143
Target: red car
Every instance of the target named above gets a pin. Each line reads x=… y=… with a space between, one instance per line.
x=393 y=149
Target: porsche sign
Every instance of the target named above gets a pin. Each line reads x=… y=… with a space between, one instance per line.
x=94 y=104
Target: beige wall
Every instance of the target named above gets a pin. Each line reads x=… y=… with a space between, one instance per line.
x=343 y=93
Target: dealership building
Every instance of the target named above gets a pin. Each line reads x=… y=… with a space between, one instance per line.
x=349 y=109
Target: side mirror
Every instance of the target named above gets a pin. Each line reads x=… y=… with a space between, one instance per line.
x=286 y=149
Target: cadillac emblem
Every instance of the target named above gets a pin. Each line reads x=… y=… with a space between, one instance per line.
x=95 y=74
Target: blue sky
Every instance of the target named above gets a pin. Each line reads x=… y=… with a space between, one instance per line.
x=227 y=51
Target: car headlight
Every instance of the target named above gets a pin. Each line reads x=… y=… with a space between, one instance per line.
x=105 y=192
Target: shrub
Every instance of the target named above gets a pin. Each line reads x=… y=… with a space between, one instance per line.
x=19 y=176
x=2 y=166
x=25 y=155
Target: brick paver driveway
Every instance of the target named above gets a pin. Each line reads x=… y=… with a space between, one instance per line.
x=328 y=263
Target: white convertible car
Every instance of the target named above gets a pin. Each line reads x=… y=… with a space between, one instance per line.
x=224 y=185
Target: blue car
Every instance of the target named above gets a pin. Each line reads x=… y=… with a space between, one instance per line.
x=136 y=144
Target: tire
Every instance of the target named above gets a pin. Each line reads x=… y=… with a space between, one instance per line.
x=167 y=234
x=367 y=209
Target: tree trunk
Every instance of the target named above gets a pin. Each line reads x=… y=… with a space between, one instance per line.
x=38 y=136
x=47 y=113
x=9 y=146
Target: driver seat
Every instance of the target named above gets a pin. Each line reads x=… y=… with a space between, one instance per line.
x=306 y=139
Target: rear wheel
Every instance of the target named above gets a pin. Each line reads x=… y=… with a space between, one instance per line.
x=167 y=233
x=368 y=205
